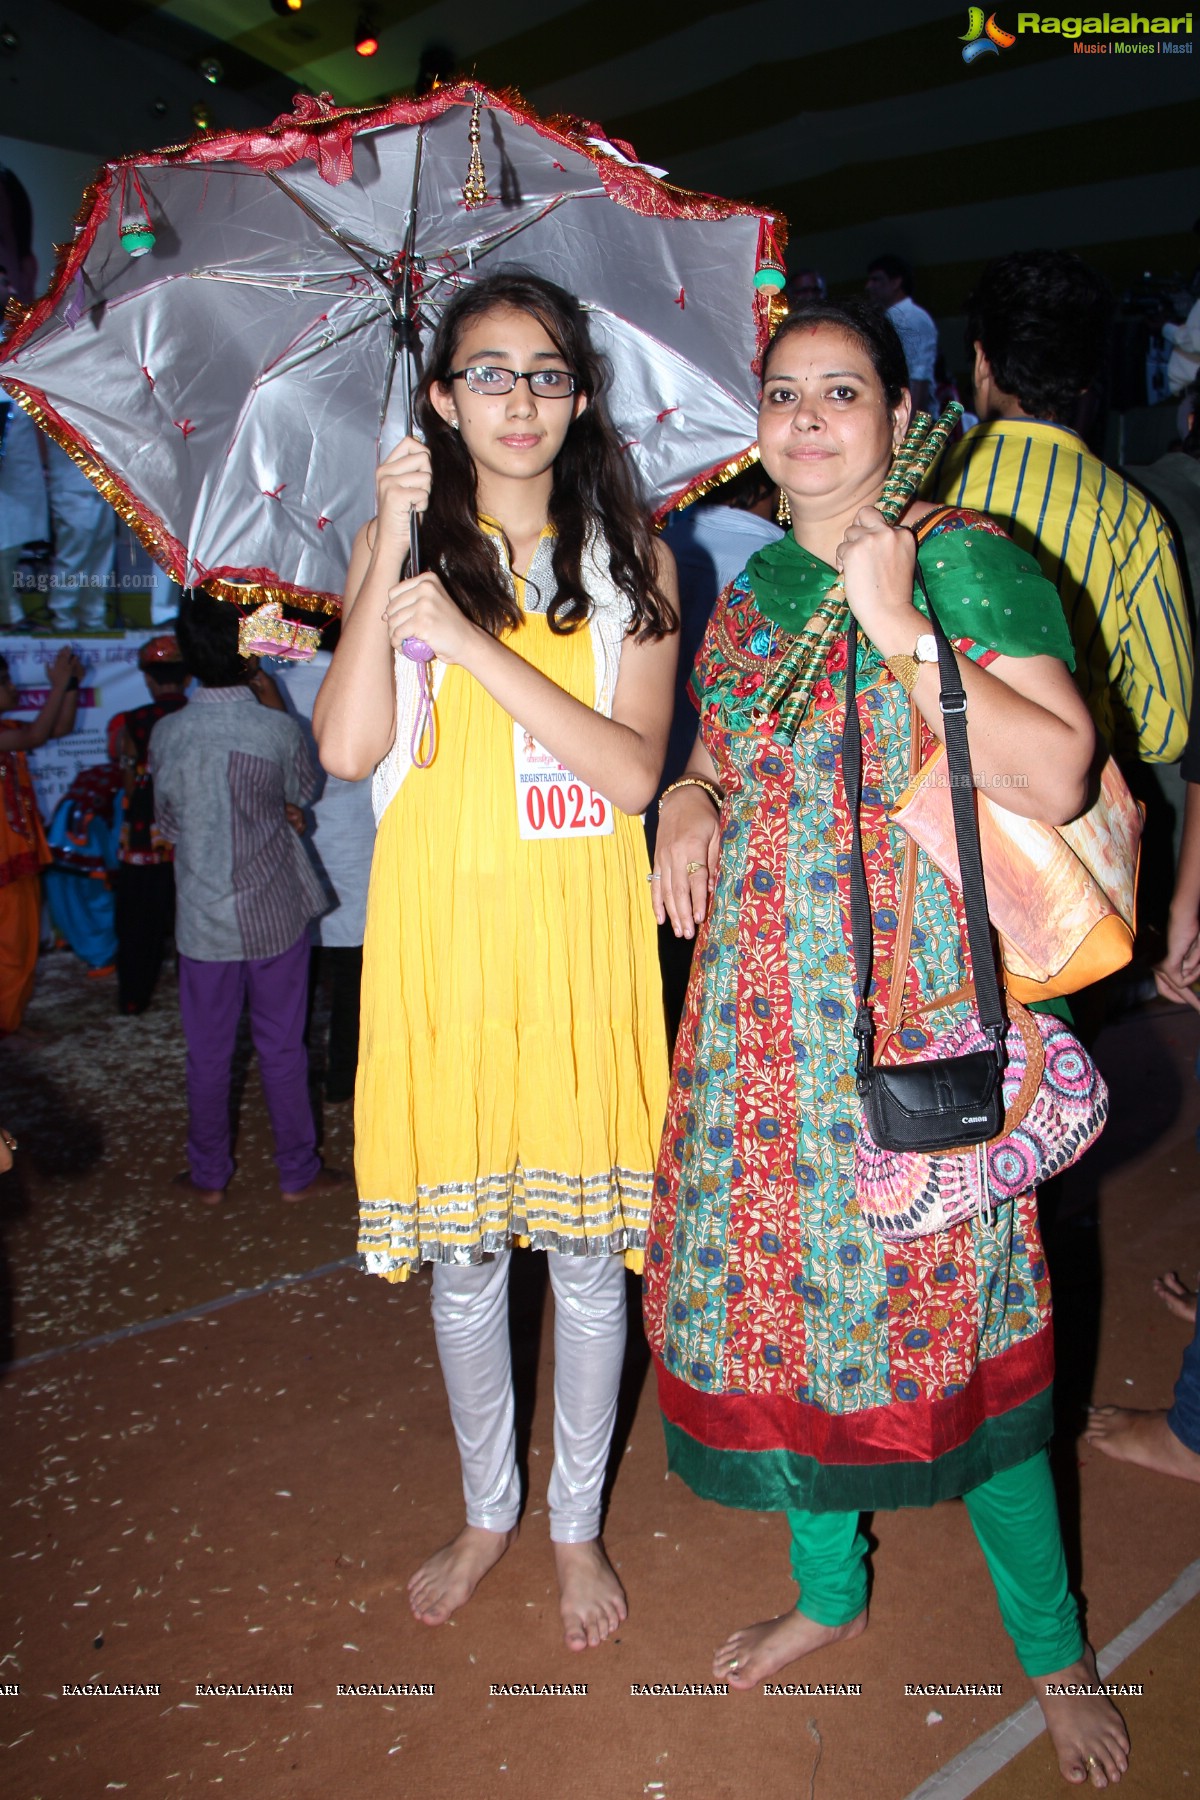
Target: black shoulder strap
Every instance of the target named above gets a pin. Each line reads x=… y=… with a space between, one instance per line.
x=953 y=701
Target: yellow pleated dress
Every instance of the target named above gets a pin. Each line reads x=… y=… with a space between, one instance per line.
x=512 y=1076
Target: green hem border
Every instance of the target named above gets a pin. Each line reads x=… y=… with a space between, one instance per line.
x=780 y=1480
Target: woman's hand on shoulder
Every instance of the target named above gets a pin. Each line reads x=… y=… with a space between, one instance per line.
x=877 y=562
x=402 y=484
x=421 y=608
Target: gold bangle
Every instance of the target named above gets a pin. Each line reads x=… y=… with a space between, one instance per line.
x=906 y=669
x=710 y=788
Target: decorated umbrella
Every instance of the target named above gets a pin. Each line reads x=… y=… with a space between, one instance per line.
x=229 y=344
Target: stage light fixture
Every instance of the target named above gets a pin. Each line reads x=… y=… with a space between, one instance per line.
x=213 y=70
x=284 y=7
x=365 y=41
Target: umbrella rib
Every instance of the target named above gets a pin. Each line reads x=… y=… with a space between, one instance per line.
x=483 y=246
x=292 y=284
x=331 y=231
x=327 y=339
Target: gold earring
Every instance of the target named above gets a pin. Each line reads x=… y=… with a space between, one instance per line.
x=783 y=512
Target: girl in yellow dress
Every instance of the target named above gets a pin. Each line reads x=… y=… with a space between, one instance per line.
x=513 y=1070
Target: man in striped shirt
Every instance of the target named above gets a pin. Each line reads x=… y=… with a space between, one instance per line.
x=1039 y=321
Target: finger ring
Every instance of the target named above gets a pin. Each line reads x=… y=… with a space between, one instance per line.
x=654 y=878
x=734 y=1666
x=1092 y=1763
x=693 y=868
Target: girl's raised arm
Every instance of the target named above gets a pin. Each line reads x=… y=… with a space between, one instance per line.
x=354 y=718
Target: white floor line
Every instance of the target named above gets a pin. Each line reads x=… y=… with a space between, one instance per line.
x=175 y=1318
x=988 y=1754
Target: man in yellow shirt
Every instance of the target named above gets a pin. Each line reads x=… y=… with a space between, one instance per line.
x=1039 y=321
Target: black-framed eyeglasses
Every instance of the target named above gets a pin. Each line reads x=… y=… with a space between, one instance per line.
x=544 y=384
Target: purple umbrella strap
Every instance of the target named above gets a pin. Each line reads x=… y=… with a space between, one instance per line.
x=418 y=651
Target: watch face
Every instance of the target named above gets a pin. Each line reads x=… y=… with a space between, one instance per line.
x=925 y=648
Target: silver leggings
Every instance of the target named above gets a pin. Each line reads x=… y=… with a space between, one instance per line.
x=470 y=1318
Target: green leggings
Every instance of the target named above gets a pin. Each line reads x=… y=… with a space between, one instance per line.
x=1015 y=1517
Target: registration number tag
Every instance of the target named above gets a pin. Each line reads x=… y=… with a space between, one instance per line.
x=551 y=802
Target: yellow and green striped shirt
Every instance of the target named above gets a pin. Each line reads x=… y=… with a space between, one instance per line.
x=1110 y=554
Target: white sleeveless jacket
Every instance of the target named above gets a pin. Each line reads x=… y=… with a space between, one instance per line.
x=610 y=617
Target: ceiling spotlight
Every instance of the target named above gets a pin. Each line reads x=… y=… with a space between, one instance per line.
x=212 y=70
x=365 y=41
x=284 y=7
x=9 y=41
x=201 y=117
x=158 y=107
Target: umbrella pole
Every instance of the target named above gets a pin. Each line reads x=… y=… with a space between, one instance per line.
x=405 y=341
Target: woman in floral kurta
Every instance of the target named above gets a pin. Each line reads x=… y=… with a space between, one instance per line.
x=803 y=1364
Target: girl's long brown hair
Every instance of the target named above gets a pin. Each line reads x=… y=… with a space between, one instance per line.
x=593 y=488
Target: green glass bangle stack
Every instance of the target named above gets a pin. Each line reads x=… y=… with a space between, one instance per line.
x=788 y=689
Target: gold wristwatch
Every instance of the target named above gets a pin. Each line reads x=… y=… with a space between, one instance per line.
x=906 y=669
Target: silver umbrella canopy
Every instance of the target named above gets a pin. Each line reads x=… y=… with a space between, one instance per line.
x=229 y=344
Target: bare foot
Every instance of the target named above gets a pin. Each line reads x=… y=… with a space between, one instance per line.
x=1176 y=1296
x=209 y=1196
x=1144 y=1438
x=323 y=1182
x=757 y=1652
x=591 y=1599
x=1087 y=1731
x=450 y=1576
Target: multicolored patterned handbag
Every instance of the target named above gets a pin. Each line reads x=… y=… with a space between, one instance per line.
x=1056 y=1103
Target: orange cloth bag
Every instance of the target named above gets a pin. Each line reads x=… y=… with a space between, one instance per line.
x=1061 y=897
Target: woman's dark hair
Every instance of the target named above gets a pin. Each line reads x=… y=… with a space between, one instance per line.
x=207 y=633
x=873 y=330
x=1043 y=319
x=743 y=492
x=593 y=488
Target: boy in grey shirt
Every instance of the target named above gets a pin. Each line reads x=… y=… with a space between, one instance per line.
x=225 y=769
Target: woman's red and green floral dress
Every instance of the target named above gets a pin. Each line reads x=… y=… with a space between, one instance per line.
x=802 y=1362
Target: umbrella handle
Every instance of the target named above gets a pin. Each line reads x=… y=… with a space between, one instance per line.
x=421 y=653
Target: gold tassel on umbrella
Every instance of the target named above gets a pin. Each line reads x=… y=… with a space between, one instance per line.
x=475 y=188
x=788 y=688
